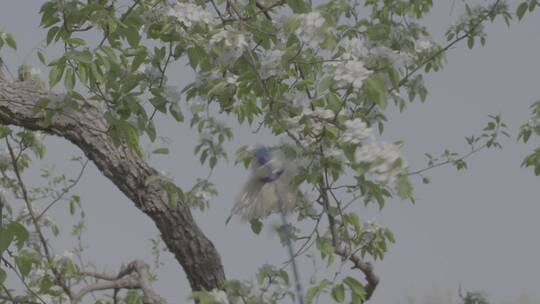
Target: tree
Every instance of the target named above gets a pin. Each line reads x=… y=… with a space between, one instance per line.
x=318 y=76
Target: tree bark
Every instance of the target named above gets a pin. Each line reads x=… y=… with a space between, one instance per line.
x=86 y=128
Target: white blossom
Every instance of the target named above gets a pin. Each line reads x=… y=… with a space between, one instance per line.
x=354 y=47
x=165 y=175
x=319 y=112
x=5 y=159
x=399 y=59
x=47 y=299
x=271 y=64
x=356 y=131
x=381 y=158
x=152 y=73
x=334 y=153
x=296 y=98
x=311 y=30
x=172 y=94
x=65 y=256
x=423 y=45
x=369 y=230
x=220 y=296
x=35 y=72
x=189 y=14
x=233 y=44
x=233 y=79
x=349 y=72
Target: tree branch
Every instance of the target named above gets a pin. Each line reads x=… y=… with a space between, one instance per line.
x=366 y=267
x=128 y=171
x=136 y=275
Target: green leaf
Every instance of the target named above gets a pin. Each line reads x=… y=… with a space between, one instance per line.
x=195 y=55
x=3 y=276
x=10 y=41
x=324 y=84
x=19 y=232
x=316 y=289
x=470 y=42
x=6 y=237
x=69 y=79
x=376 y=90
x=151 y=179
x=161 y=151
x=84 y=56
x=299 y=6
x=40 y=105
x=356 y=287
x=389 y=235
x=256 y=226
x=24 y=263
x=138 y=60
x=213 y=161
x=41 y=57
x=338 y=293
x=75 y=41
x=132 y=35
x=521 y=9
x=55 y=75
x=151 y=131
x=403 y=187
x=51 y=34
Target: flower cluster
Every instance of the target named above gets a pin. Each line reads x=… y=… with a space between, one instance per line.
x=271 y=64
x=383 y=160
x=232 y=45
x=189 y=14
x=349 y=72
x=399 y=59
x=319 y=113
x=311 y=30
x=356 y=131
x=354 y=48
x=423 y=45
x=152 y=73
x=369 y=231
x=220 y=297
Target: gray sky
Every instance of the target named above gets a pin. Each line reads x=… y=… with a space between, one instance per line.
x=476 y=227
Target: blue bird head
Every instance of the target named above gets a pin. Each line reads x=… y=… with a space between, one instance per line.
x=268 y=189
x=268 y=166
x=263 y=155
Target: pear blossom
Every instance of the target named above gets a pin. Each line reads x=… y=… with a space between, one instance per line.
x=172 y=94
x=356 y=131
x=369 y=230
x=351 y=72
x=232 y=45
x=271 y=64
x=152 y=73
x=35 y=72
x=423 y=45
x=189 y=14
x=233 y=79
x=219 y=296
x=319 y=112
x=382 y=159
x=354 y=47
x=311 y=30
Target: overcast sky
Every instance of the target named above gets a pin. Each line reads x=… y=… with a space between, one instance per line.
x=477 y=227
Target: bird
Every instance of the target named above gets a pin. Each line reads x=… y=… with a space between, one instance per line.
x=268 y=189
